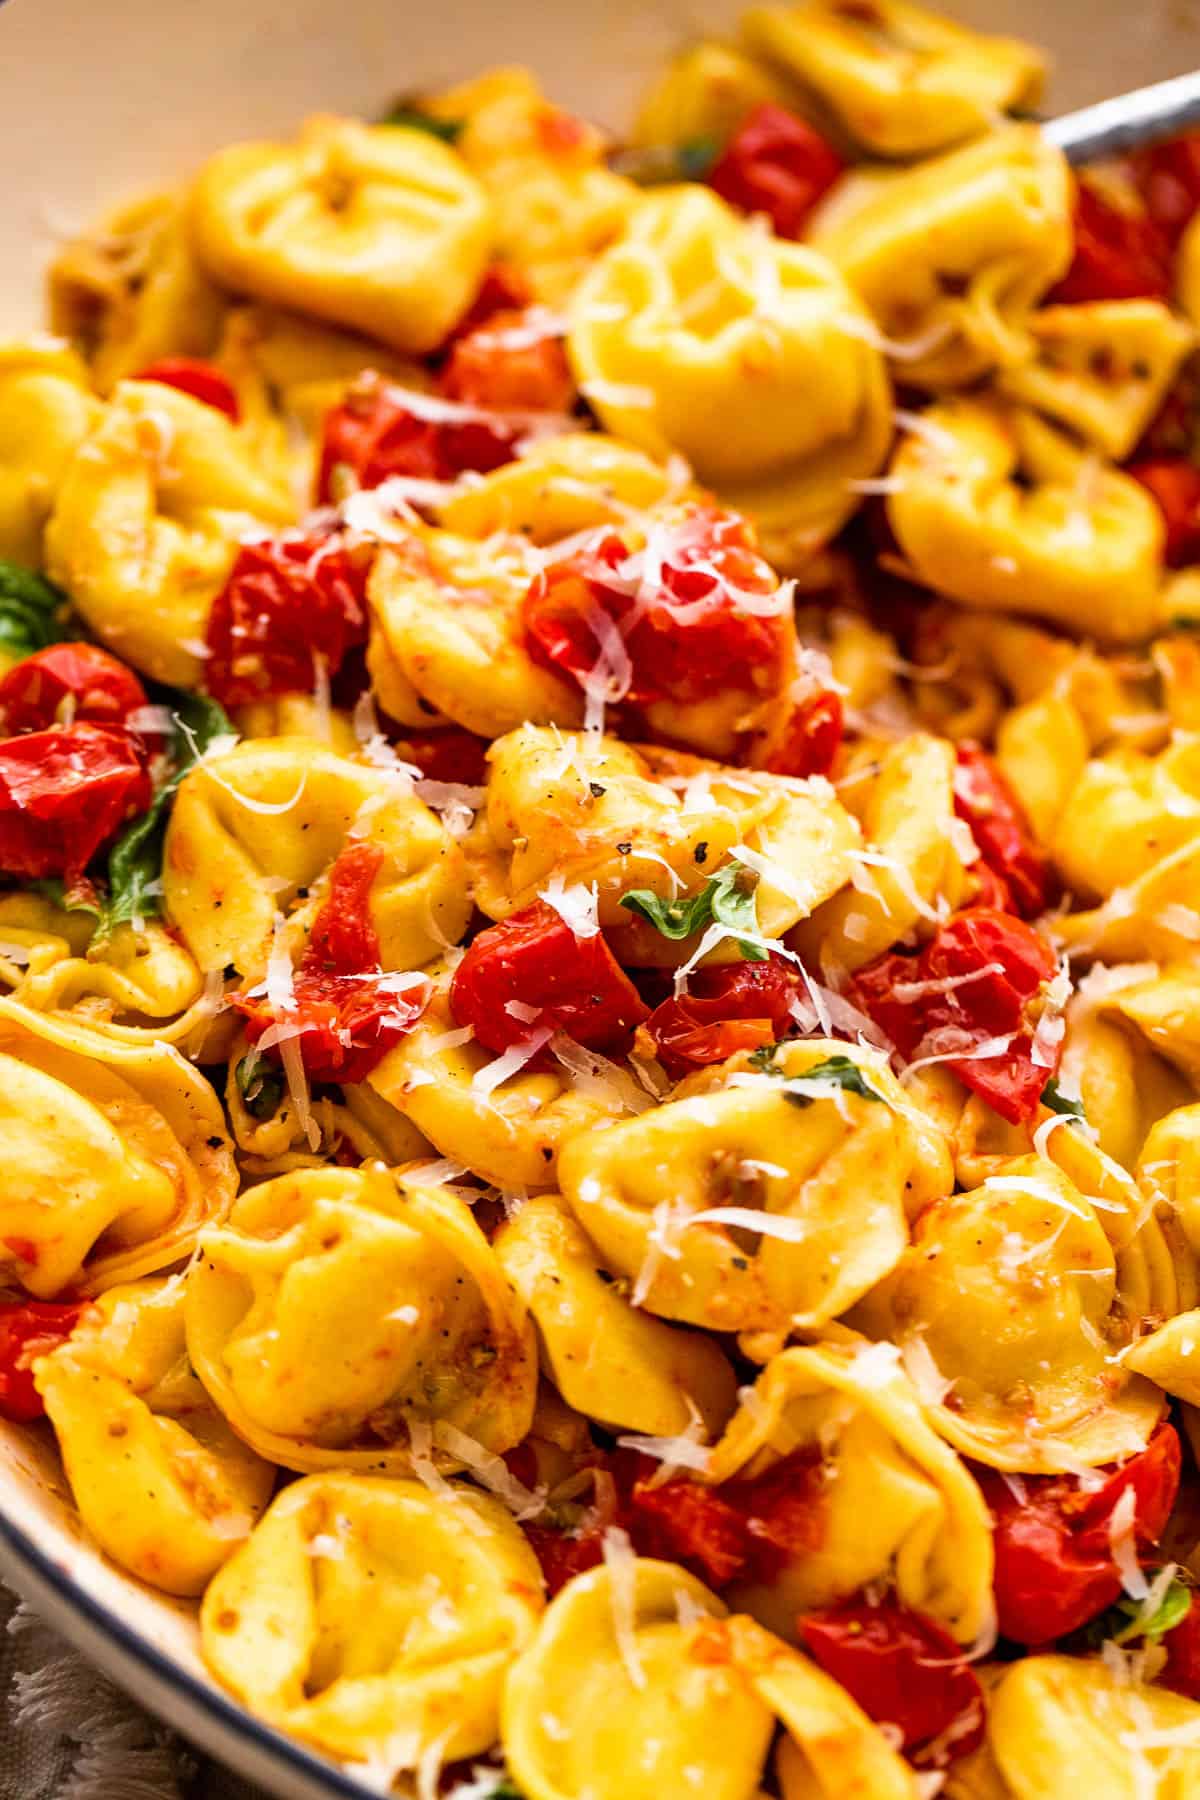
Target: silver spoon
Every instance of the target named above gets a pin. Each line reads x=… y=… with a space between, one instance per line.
x=1127 y=120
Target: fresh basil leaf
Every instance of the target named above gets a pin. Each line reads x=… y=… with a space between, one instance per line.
x=260 y=1084
x=80 y=898
x=31 y=610
x=727 y=898
x=837 y=1071
x=135 y=860
x=1120 y=1624
x=1058 y=1102
x=413 y=119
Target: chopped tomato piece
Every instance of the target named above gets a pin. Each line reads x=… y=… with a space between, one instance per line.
x=379 y=430
x=1055 y=1565
x=811 y=738
x=199 y=379
x=563 y=1554
x=1182 y=1646
x=63 y=794
x=28 y=1330
x=904 y=1670
x=987 y=971
x=695 y=613
x=777 y=165
x=1119 y=254
x=513 y=362
x=983 y=797
x=681 y=1521
x=449 y=755
x=288 y=600
x=1168 y=177
x=346 y=1013
x=503 y=289
x=533 y=970
x=1174 y=482
x=67 y=683
x=736 y=1006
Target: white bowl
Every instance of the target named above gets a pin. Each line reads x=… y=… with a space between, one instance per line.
x=99 y=98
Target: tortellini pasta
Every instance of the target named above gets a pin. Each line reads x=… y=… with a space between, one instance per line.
x=375 y=1618
x=382 y=229
x=712 y=1233
x=46 y=412
x=342 y=1318
x=159 y=1478
x=747 y=355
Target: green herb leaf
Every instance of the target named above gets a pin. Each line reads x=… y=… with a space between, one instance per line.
x=260 y=1084
x=727 y=898
x=135 y=860
x=31 y=611
x=659 y=163
x=409 y=115
x=1058 y=1102
x=837 y=1071
x=1119 y=1625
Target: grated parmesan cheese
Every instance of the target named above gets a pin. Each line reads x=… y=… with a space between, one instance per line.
x=621 y=1564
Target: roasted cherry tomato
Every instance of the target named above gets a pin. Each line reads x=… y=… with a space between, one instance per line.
x=63 y=794
x=777 y=165
x=199 y=379
x=683 y=1522
x=1175 y=483
x=1182 y=1646
x=513 y=362
x=695 y=613
x=380 y=430
x=979 y=979
x=1055 y=1566
x=288 y=600
x=65 y=684
x=983 y=797
x=28 y=1330
x=811 y=739
x=1119 y=254
x=450 y=755
x=1168 y=176
x=746 y=1529
x=532 y=970
x=735 y=1006
x=503 y=289
x=904 y=1670
x=346 y=1013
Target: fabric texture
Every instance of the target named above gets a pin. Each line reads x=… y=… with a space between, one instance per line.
x=69 y=1734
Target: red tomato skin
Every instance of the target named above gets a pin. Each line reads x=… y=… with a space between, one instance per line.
x=1182 y=1645
x=510 y=363
x=76 y=679
x=1054 y=1562
x=1174 y=482
x=739 y=1006
x=345 y=1026
x=27 y=1330
x=287 y=600
x=777 y=165
x=1168 y=177
x=1001 y=829
x=993 y=1006
x=691 y=640
x=563 y=1556
x=63 y=794
x=199 y=379
x=535 y=959
x=903 y=1670
x=451 y=755
x=812 y=739
x=1118 y=255
x=374 y=434
x=681 y=1521
x=503 y=289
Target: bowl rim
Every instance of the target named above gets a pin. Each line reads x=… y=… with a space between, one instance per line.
x=222 y=1713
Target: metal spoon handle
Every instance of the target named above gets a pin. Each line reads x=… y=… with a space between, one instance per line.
x=1128 y=120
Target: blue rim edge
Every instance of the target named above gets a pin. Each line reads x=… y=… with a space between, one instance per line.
x=218 y=1706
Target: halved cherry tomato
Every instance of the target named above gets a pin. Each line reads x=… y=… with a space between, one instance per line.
x=746 y=1529
x=28 y=1330
x=777 y=165
x=700 y=629
x=983 y=797
x=904 y=1670
x=449 y=755
x=737 y=1006
x=535 y=960
x=1053 y=1538
x=199 y=379
x=998 y=1004
x=347 y=1014
x=513 y=362
x=287 y=600
x=683 y=1522
x=378 y=431
x=1119 y=254
x=66 y=683
x=1182 y=1646
x=1174 y=482
x=63 y=794
x=503 y=289
x=811 y=738
x=1168 y=177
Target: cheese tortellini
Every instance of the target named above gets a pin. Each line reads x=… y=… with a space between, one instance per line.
x=46 y=411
